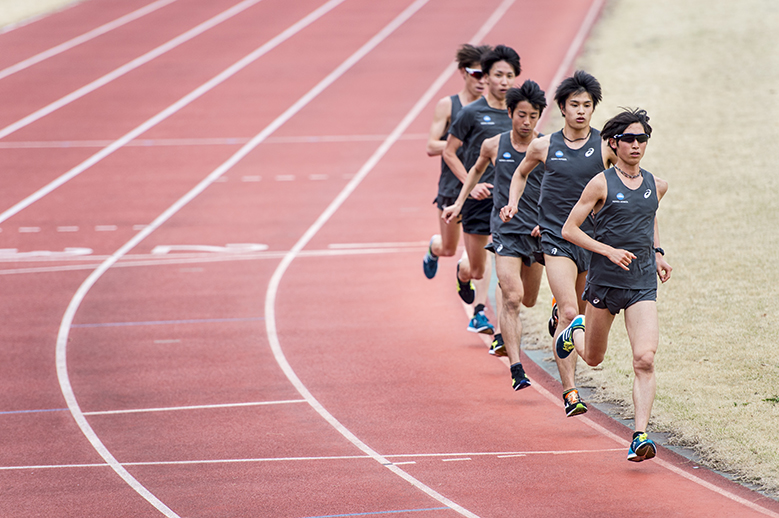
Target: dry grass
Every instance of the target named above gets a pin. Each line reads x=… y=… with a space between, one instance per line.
x=14 y=11
x=708 y=74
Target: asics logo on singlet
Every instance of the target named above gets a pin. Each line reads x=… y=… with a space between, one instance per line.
x=648 y=193
x=589 y=152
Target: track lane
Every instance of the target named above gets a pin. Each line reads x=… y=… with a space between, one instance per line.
x=321 y=499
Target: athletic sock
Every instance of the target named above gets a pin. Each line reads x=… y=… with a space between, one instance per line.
x=477 y=309
x=516 y=366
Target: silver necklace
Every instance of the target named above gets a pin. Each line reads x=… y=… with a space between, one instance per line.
x=631 y=176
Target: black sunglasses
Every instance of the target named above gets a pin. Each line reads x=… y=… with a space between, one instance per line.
x=632 y=137
x=474 y=73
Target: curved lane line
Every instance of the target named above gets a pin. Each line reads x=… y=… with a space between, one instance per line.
x=78 y=40
x=70 y=312
x=128 y=67
x=270 y=298
x=172 y=109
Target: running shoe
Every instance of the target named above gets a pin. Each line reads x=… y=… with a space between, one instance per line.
x=498 y=348
x=564 y=342
x=465 y=290
x=518 y=377
x=642 y=448
x=573 y=403
x=480 y=324
x=430 y=262
x=553 y=318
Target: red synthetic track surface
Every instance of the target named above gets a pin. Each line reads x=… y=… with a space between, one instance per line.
x=298 y=380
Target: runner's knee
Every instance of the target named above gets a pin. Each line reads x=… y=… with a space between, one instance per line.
x=644 y=362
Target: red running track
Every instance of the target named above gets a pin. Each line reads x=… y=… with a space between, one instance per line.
x=221 y=311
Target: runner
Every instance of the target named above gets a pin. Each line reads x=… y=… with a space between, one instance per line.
x=627 y=256
x=469 y=64
x=517 y=241
x=571 y=157
x=476 y=122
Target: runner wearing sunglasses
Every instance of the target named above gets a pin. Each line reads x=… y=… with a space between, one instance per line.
x=478 y=121
x=571 y=158
x=626 y=260
x=516 y=242
x=469 y=64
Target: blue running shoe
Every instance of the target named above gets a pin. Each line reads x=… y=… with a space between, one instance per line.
x=465 y=290
x=430 y=262
x=642 y=448
x=498 y=348
x=480 y=324
x=519 y=379
x=564 y=343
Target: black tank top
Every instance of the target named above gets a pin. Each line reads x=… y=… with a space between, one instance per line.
x=448 y=184
x=626 y=221
x=477 y=122
x=505 y=164
x=567 y=172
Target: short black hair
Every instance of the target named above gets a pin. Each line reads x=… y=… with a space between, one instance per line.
x=501 y=53
x=580 y=82
x=530 y=92
x=468 y=55
x=620 y=122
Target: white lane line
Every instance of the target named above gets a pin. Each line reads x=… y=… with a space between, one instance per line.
x=105 y=228
x=172 y=109
x=258 y=460
x=78 y=40
x=173 y=142
x=196 y=407
x=67 y=229
x=128 y=67
x=452 y=460
x=275 y=281
x=67 y=320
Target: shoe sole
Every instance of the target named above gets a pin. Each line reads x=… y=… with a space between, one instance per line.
x=642 y=454
x=499 y=351
x=522 y=386
x=579 y=409
x=484 y=330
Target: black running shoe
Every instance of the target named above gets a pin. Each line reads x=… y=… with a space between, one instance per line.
x=498 y=348
x=465 y=290
x=519 y=379
x=573 y=403
x=553 y=319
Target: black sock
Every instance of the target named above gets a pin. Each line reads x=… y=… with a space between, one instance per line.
x=478 y=308
x=517 y=369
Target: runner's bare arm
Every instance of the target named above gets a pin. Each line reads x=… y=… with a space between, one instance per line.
x=663 y=268
x=453 y=144
x=439 y=127
x=489 y=150
x=592 y=199
x=536 y=153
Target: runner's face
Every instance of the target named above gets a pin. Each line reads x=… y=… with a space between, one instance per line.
x=500 y=79
x=578 y=110
x=475 y=87
x=631 y=152
x=524 y=119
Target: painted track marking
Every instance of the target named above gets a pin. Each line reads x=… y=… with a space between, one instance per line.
x=78 y=40
x=128 y=67
x=175 y=107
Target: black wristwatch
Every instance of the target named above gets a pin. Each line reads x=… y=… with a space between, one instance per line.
x=659 y=250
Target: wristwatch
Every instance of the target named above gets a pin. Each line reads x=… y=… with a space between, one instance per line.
x=659 y=250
